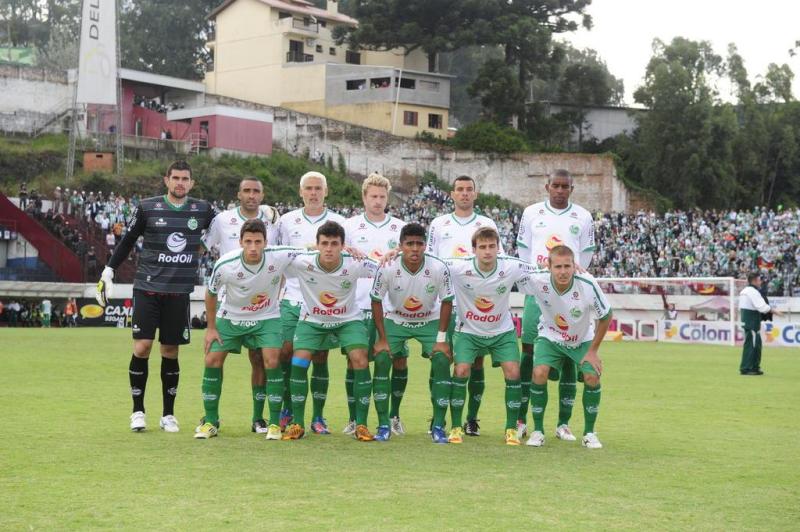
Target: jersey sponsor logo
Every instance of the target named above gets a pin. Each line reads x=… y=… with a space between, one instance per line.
x=573 y=214
x=501 y=290
x=192 y=223
x=553 y=241
x=561 y=322
x=575 y=295
x=376 y=254
x=429 y=289
x=460 y=251
x=183 y=258
x=160 y=222
x=193 y=206
x=257 y=302
x=412 y=304
x=484 y=304
x=328 y=299
x=159 y=205
x=574 y=229
x=176 y=242
x=233 y=221
x=346 y=285
x=576 y=313
x=297 y=221
x=486 y=318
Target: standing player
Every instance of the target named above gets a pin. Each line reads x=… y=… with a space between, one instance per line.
x=225 y=234
x=327 y=280
x=482 y=285
x=450 y=235
x=373 y=233
x=569 y=303
x=298 y=228
x=543 y=226
x=172 y=226
x=419 y=301
x=751 y=308
x=249 y=316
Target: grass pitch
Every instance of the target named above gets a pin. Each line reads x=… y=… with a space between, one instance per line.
x=688 y=444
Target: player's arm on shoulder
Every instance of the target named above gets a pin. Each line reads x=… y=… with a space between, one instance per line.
x=368 y=268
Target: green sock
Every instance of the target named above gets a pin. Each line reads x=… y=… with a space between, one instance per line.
x=513 y=394
x=525 y=376
x=212 y=389
x=591 y=405
x=348 y=388
x=319 y=387
x=458 y=393
x=476 y=387
x=430 y=386
x=566 y=392
x=274 y=394
x=399 y=382
x=299 y=388
x=538 y=404
x=442 y=388
x=286 y=370
x=259 y=397
x=362 y=389
x=381 y=387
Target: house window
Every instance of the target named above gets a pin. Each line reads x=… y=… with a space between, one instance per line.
x=332 y=50
x=352 y=58
x=319 y=48
x=323 y=23
x=432 y=86
x=409 y=118
x=406 y=83
x=379 y=83
x=282 y=14
x=434 y=121
x=356 y=84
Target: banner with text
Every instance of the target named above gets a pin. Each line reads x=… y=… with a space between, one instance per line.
x=718 y=332
x=97 y=66
x=118 y=313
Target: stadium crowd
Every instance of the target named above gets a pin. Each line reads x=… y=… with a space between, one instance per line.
x=691 y=243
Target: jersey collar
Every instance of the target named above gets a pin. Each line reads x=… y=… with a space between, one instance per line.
x=339 y=267
x=456 y=220
x=484 y=275
x=239 y=213
x=409 y=272
x=571 y=282
x=173 y=206
x=556 y=212
x=321 y=216
x=248 y=266
x=377 y=226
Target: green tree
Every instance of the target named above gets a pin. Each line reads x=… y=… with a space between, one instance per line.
x=584 y=85
x=499 y=91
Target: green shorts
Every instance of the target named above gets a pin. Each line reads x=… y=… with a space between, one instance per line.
x=530 y=320
x=250 y=334
x=549 y=353
x=503 y=347
x=451 y=331
x=290 y=315
x=310 y=336
x=397 y=334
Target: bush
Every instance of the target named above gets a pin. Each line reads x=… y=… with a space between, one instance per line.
x=490 y=137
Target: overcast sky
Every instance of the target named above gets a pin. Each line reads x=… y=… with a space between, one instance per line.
x=624 y=31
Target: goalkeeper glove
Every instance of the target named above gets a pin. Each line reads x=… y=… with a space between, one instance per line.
x=105 y=286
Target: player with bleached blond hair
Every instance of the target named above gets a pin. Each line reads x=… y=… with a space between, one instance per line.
x=374 y=232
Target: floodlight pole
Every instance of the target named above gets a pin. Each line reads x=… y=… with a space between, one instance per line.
x=120 y=149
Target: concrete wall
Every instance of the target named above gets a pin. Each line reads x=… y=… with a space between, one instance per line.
x=32 y=98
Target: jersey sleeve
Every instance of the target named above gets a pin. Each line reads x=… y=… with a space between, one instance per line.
x=524 y=235
x=379 y=286
x=587 y=243
x=367 y=269
x=212 y=215
x=525 y=273
x=279 y=230
x=758 y=301
x=217 y=277
x=431 y=246
x=446 y=292
x=136 y=228
x=211 y=237
x=602 y=309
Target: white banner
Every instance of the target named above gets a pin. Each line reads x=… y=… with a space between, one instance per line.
x=780 y=334
x=97 y=70
x=718 y=332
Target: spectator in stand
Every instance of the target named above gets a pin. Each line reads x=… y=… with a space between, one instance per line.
x=91 y=263
x=57 y=200
x=111 y=242
x=23 y=195
x=71 y=313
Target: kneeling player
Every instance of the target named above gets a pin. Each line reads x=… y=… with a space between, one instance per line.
x=419 y=301
x=249 y=316
x=569 y=303
x=482 y=286
x=327 y=280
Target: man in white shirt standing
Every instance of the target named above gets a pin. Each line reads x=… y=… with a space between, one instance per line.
x=298 y=228
x=545 y=225
x=224 y=235
x=751 y=308
x=450 y=236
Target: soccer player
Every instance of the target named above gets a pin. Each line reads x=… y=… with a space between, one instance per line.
x=482 y=285
x=172 y=226
x=298 y=228
x=248 y=316
x=373 y=233
x=545 y=225
x=418 y=299
x=450 y=235
x=327 y=279
x=569 y=304
x=224 y=234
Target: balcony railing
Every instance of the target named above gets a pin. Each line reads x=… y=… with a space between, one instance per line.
x=298 y=57
x=305 y=25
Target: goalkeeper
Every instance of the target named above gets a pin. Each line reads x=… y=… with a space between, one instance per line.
x=171 y=225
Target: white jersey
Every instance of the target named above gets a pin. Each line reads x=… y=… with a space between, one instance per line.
x=298 y=230
x=568 y=318
x=226 y=228
x=47 y=306
x=329 y=297
x=483 y=298
x=542 y=228
x=373 y=240
x=251 y=291
x=413 y=297
x=450 y=236
x=751 y=299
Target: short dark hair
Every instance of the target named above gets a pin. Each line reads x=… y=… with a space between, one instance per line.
x=253 y=226
x=180 y=166
x=330 y=228
x=752 y=276
x=251 y=178
x=463 y=178
x=485 y=233
x=412 y=229
x=560 y=173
